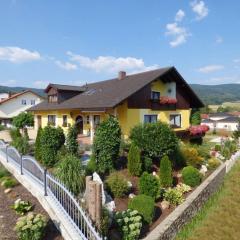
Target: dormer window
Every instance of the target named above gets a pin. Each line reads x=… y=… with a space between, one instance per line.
x=52 y=98
x=155 y=95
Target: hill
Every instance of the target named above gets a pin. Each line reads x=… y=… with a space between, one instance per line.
x=5 y=89
x=217 y=94
x=210 y=94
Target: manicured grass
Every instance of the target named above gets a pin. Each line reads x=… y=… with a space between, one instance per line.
x=219 y=218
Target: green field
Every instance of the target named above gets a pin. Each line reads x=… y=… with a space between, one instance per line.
x=219 y=218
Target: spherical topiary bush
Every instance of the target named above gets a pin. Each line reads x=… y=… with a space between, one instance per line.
x=191 y=176
x=149 y=185
x=144 y=205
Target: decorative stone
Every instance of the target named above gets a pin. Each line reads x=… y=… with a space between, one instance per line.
x=110 y=206
x=131 y=195
x=165 y=205
x=203 y=170
x=97 y=178
x=154 y=173
x=179 y=175
x=129 y=184
x=8 y=190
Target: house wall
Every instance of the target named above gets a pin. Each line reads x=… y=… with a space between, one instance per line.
x=128 y=118
x=71 y=118
x=13 y=107
x=227 y=126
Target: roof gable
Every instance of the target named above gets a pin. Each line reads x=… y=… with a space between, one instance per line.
x=110 y=93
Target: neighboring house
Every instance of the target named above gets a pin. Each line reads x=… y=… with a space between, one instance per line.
x=17 y=103
x=4 y=96
x=160 y=94
x=224 y=121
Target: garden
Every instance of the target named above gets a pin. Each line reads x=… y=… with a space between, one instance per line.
x=21 y=215
x=145 y=177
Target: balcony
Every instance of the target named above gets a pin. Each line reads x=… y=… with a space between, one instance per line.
x=163 y=103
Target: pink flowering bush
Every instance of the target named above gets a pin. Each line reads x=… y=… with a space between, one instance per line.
x=198 y=130
x=168 y=100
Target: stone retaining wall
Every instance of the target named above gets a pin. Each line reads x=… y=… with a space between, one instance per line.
x=170 y=226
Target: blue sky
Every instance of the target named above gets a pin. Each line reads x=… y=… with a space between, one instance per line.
x=75 y=41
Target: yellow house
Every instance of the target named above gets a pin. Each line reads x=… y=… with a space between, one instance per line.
x=150 y=96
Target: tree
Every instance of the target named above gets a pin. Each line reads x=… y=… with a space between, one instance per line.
x=23 y=120
x=195 y=118
x=71 y=141
x=51 y=141
x=236 y=133
x=38 y=149
x=166 y=178
x=70 y=172
x=154 y=139
x=106 y=144
x=134 y=160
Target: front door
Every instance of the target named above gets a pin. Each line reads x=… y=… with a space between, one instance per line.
x=79 y=124
x=39 y=121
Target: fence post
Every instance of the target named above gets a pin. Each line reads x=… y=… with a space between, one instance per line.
x=21 y=165
x=45 y=181
x=7 y=153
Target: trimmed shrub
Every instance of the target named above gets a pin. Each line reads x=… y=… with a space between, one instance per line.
x=3 y=172
x=104 y=222
x=106 y=144
x=22 y=145
x=213 y=163
x=15 y=134
x=147 y=164
x=179 y=160
x=144 y=205
x=192 y=157
x=70 y=172
x=149 y=185
x=51 y=141
x=91 y=166
x=134 y=161
x=31 y=227
x=174 y=196
x=21 y=207
x=117 y=184
x=218 y=148
x=8 y=182
x=38 y=150
x=191 y=176
x=71 y=141
x=130 y=224
x=166 y=178
x=226 y=153
x=155 y=139
x=195 y=118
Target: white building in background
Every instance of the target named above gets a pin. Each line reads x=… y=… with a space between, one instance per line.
x=15 y=104
x=4 y=96
x=221 y=121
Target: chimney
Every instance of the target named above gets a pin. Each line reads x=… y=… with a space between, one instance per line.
x=121 y=75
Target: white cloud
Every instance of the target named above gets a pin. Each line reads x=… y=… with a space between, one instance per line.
x=110 y=64
x=219 y=39
x=200 y=9
x=210 y=68
x=179 y=15
x=236 y=60
x=66 y=65
x=18 y=55
x=40 y=84
x=179 y=34
x=10 y=83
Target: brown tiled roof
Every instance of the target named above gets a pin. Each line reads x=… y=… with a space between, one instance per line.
x=109 y=93
x=19 y=94
x=65 y=87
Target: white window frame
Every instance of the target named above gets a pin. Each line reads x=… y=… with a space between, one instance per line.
x=150 y=115
x=171 y=114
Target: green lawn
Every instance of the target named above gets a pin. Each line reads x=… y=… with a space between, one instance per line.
x=219 y=219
